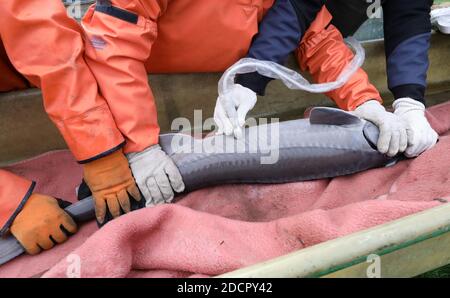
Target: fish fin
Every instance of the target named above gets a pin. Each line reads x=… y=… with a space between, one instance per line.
x=332 y=116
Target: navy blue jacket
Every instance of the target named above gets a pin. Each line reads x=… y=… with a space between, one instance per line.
x=280 y=34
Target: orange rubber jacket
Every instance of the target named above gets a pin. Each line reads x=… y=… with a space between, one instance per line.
x=130 y=38
x=41 y=46
x=324 y=54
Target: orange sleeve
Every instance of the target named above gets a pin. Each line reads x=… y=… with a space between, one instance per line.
x=120 y=35
x=46 y=47
x=324 y=54
x=14 y=193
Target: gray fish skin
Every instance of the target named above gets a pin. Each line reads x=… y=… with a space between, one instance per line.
x=330 y=143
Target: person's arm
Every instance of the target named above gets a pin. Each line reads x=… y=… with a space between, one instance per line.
x=14 y=193
x=407 y=34
x=324 y=54
x=36 y=221
x=280 y=33
x=120 y=34
x=407 y=30
x=46 y=47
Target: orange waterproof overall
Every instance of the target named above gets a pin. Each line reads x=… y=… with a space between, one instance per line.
x=41 y=46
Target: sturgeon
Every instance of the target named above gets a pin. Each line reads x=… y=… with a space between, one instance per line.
x=329 y=144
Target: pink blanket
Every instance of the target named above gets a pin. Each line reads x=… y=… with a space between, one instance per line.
x=216 y=230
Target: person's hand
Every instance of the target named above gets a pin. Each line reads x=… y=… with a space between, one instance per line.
x=393 y=137
x=156 y=175
x=232 y=109
x=421 y=136
x=42 y=223
x=112 y=185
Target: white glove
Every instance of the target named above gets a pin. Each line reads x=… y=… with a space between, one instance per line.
x=156 y=175
x=232 y=108
x=421 y=135
x=393 y=138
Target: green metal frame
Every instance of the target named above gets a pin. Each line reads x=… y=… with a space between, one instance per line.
x=385 y=251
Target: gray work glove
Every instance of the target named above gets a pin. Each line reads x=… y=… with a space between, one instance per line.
x=393 y=135
x=156 y=175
